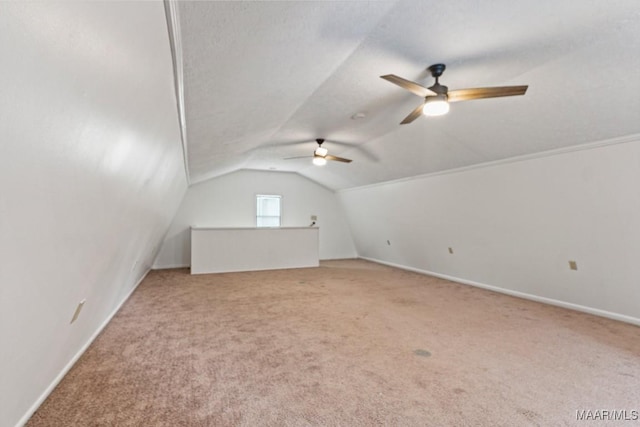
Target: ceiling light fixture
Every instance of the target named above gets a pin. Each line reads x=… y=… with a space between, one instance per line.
x=319 y=161
x=436 y=106
x=321 y=151
x=321 y=155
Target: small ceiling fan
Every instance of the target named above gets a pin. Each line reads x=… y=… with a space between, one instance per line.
x=437 y=97
x=321 y=155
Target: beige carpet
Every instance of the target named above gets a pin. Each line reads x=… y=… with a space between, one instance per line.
x=351 y=343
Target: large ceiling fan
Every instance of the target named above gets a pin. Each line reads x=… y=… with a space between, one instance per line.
x=321 y=155
x=437 y=97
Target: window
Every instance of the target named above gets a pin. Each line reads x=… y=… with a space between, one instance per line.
x=268 y=210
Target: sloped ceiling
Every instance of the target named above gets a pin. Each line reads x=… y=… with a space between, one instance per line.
x=262 y=80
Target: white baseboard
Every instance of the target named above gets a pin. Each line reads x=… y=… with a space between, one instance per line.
x=550 y=301
x=75 y=358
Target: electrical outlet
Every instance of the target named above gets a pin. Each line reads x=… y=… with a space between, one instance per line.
x=314 y=217
x=450 y=250
x=77 y=312
x=573 y=265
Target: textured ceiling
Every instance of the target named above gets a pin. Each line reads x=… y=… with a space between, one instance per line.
x=262 y=80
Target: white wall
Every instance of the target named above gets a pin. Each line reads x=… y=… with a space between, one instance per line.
x=230 y=201
x=516 y=225
x=91 y=173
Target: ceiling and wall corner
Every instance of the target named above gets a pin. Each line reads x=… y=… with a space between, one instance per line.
x=91 y=174
x=264 y=79
x=175 y=43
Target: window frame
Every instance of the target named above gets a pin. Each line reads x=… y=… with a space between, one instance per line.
x=279 y=197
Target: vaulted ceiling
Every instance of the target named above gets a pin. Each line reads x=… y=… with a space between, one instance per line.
x=262 y=80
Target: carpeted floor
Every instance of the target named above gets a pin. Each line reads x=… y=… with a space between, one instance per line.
x=351 y=343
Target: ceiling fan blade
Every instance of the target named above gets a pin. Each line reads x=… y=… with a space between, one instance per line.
x=485 y=92
x=336 y=158
x=414 y=115
x=408 y=85
x=297 y=157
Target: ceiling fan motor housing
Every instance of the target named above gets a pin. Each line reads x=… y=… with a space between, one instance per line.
x=439 y=89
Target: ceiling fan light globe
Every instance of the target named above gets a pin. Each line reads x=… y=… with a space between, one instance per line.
x=319 y=161
x=321 y=151
x=435 y=106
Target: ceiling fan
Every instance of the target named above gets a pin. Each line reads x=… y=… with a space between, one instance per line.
x=437 y=97
x=321 y=155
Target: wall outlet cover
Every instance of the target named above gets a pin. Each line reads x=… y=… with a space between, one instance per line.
x=314 y=217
